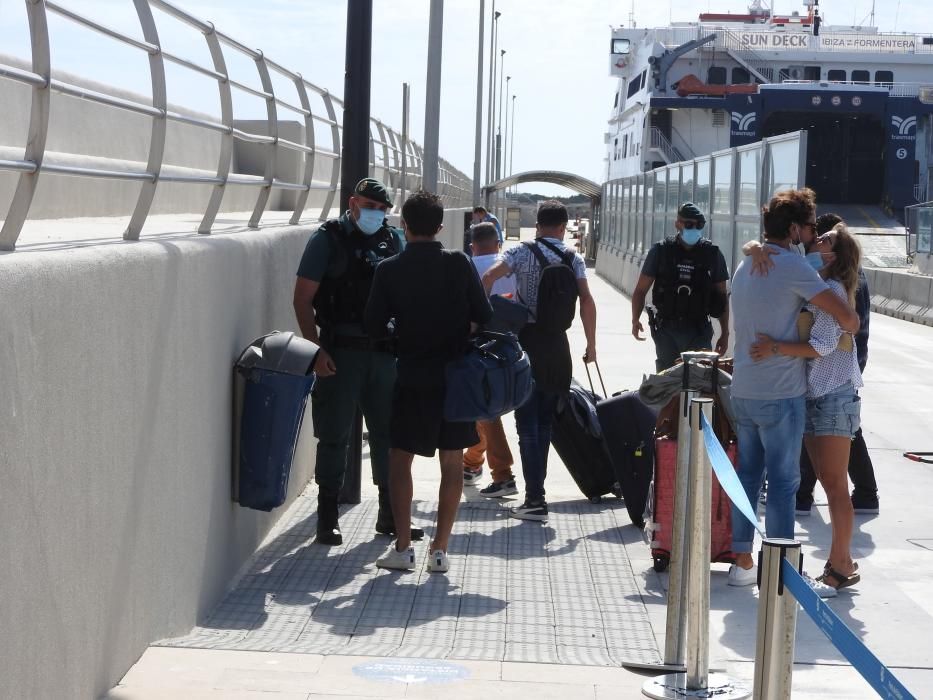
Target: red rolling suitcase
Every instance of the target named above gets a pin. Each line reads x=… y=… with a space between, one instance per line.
x=660 y=519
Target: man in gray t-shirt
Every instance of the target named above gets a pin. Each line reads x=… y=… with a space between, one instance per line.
x=768 y=393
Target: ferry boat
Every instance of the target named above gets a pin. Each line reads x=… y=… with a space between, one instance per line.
x=864 y=97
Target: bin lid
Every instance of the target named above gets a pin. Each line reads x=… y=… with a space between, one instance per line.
x=280 y=352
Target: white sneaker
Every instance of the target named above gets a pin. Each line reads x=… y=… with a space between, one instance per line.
x=821 y=589
x=742 y=577
x=437 y=562
x=394 y=559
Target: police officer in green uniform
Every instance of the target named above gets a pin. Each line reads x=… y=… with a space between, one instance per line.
x=689 y=276
x=355 y=369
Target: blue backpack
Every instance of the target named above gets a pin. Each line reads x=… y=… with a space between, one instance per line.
x=491 y=379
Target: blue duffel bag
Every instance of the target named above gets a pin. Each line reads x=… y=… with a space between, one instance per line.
x=491 y=379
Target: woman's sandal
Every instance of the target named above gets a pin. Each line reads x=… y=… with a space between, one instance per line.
x=828 y=565
x=833 y=578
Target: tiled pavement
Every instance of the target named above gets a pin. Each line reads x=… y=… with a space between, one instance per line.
x=891 y=604
x=563 y=592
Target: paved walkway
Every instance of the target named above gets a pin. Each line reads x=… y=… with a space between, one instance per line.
x=526 y=596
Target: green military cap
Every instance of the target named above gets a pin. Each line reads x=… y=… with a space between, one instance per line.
x=373 y=189
x=690 y=211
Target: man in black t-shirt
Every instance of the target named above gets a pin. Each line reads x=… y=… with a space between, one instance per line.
x=433 y=299
x=689 y=277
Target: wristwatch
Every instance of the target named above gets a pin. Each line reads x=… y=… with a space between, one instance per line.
x=774 y=348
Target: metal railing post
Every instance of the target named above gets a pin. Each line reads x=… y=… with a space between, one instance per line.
x=225 y=157
x=38 y=126
x=777 y=622
x=272 y=120
x=336 y=161
x=159 y=123
x=697 y=682
x=302 y=199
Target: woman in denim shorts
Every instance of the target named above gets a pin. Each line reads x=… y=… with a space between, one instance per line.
x=833 y=379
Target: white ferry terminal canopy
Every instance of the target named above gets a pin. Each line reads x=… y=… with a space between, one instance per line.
x=554 y=177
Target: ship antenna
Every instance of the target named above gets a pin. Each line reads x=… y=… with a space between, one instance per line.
x=631 y=15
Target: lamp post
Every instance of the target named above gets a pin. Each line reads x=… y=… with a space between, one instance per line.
x=432 y=101
x=505 y=130
x=491 y=116
x=499 y=127
x=512 y=137
x=478 y=148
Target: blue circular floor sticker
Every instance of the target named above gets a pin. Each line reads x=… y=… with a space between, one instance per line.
x=411 y=671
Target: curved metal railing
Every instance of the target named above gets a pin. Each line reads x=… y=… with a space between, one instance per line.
x=386 y=145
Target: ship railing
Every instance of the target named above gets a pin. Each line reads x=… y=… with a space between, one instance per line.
x=894 y=89
x=661 y=143
x=732 y=42
x=388 y=153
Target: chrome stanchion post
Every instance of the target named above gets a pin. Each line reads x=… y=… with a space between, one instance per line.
x=697 y=682
x=697 y=559
x=777 y=622
x=674 y=655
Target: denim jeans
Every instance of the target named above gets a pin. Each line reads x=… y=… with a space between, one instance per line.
x=533 y=421
x=769 y=433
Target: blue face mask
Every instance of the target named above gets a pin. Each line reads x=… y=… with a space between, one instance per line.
x=370 y=220
x=691 y=236
x=815 y=260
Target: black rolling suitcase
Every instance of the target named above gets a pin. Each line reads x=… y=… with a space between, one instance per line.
x=628 y=428
x=578 y=439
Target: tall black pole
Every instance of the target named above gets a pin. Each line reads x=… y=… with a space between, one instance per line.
x=354 y=166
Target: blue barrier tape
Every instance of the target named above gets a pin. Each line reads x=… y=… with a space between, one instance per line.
x=726 y=474
x=867 y=664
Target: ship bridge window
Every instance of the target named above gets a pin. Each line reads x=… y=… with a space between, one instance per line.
x=740 y=76
x=616 y=103
x=634 y=86
x=716 y=75
x=621 y=46
x=836 y=76
x=812 y=72
x=861 y=76
x=884 y=78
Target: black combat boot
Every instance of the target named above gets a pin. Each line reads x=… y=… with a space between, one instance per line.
x=328 y=529
x=385 y=523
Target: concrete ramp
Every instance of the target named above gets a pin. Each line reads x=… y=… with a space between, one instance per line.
x=883 y=238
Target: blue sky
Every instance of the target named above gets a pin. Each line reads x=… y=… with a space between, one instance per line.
x=556 y=57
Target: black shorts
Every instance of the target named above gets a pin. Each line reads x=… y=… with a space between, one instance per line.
x=418 y=424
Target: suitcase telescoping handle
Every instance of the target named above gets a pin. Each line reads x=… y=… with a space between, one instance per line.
x=589 y=378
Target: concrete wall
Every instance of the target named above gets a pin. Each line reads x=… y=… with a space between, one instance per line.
x=901 y=294
x=118 y=528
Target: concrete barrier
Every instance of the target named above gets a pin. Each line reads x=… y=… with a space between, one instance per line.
x=118 y=528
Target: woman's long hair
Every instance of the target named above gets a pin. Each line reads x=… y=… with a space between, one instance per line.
x=848 y=259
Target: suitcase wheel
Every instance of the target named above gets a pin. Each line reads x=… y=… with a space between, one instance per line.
x=596 y=499
x=661 y=562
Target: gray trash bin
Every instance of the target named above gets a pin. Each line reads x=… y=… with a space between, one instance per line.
x=272 y=380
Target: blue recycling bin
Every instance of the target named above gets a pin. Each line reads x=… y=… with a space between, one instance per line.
x=272 y=382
